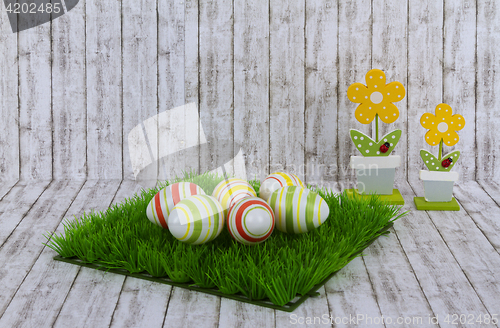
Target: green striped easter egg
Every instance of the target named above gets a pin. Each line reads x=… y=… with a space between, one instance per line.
x=298 y=210
x=196 y=220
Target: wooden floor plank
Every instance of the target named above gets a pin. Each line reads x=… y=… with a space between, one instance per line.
x=482 y=208
x=49 y=279
x=16 y=204
x=492 y=188
x=245 y=315
x=443 y=282
x=25 y=244
x=472 y=250
x=142 y=303
x=350 y=293
x=6 y=186
x=183 y=303
x=153 y=297
x=396 y=287
x=84 y=302
x=313 y=312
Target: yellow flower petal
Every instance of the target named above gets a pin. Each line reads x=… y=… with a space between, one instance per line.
x=375 y=79
x=365 y=113
x=432 y=137
x=388 y=112
x=394 y=92
x=428 y=120
x=450 y=138
x=456 y=122
x=443 y=111
x=357 y=92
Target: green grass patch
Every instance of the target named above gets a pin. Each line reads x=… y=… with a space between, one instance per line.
x=280 y=269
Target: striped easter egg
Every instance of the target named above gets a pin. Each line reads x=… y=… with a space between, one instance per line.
x=196 y=220
x=250 y=221
x=164 y=201
x=278 y=180
x=298 y=210
x=229 y=191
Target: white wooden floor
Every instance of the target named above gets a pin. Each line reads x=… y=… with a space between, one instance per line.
x=433 y=264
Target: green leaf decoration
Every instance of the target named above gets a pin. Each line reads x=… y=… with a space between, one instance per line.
x=369 y=148
x=433 y=164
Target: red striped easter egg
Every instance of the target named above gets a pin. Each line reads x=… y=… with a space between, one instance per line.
x=163 y=202
x=229 y=191
x=250 y=221
x=276 y=181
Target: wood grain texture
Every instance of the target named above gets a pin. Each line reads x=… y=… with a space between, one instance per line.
x=35 y=108
x=216 y=82
x=244 y=315
x=9 y=102
x=251 y=85
x=354 y=43
x=287 y=78
x=172 y=41
x=139 y=69
x=487 y=90
x=183 y=303
x=15 y=205
x=425 y=74
x=445 y=285
x=104 y=90
x=482 y=209
x=312 y=312
x=69 y=99
x=492 y=188
x=396 y=288
x=471 y=248
x=23 y=247
x=52 y=280
x=320 y=119
x=389 y=53
x=350 y=292
x=141 y=303
x=99 y=311
x=459 y=75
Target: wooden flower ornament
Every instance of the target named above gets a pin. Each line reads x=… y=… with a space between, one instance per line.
x=442 y=130
x=376 y=101
x=376 y=98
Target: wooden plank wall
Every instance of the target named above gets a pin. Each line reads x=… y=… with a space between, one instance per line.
x=267 y=76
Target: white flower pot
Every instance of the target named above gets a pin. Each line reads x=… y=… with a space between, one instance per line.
x=375 y=174
x=438 y=186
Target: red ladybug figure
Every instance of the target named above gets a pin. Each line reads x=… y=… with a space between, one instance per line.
x=385 y=147
x=447 y=162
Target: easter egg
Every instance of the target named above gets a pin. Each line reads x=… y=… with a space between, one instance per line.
x=278 y=180
x=229 y=191
x=298 y=210
x=164 y=201
x=196 y=220
x=250 y=221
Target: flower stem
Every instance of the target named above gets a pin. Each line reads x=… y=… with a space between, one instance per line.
x=440 y=149
x=376 y=127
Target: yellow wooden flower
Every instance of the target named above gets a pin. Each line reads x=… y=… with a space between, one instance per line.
x=376 y=98
x=442 y=126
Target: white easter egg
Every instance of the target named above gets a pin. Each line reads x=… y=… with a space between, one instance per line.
x=229 y=191
x=164 y=201
x=278 y=180
x=196 y=220
x=250 y=221
x=298 y=210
